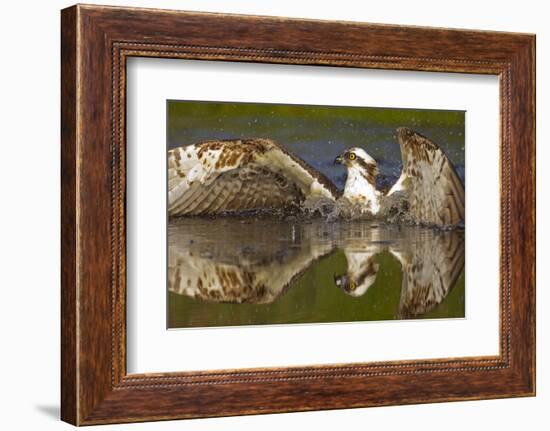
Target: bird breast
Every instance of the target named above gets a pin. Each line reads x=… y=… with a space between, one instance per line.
x=360 y=192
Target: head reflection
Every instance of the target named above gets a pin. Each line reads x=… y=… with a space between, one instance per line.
x=361 y=275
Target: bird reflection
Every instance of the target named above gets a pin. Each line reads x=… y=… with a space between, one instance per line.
x=238 y=261
x=256 y=261
x=431 y=263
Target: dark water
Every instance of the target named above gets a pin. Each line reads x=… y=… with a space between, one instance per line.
x=250 y=271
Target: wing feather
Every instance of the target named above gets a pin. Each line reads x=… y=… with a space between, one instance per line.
x=236 y=175
x=435 y=191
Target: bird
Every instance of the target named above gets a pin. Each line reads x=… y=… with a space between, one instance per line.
x=222 y=177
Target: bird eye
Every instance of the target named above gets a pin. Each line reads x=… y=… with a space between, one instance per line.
x=352 y=285
x=352 y=156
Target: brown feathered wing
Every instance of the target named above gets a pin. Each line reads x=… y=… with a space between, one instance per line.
x=435 y=192
x=223 y=176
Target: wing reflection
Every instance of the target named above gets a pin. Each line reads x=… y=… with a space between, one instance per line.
x=256 y=261
x=230 y=260
x=431 y=267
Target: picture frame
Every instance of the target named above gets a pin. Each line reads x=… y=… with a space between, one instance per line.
x=96 y=42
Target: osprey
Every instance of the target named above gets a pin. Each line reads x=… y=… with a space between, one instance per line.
x=232 y=176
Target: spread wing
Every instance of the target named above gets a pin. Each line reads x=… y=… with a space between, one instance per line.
x=237 y=175
x=431 y=267
x=435 y=192
x=248 y=266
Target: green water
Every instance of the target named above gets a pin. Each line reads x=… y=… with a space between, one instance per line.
x=286 y=272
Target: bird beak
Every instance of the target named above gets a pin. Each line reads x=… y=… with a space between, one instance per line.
x=338 y=160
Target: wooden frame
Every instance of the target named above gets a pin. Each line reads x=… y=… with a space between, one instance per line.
x=96 y=41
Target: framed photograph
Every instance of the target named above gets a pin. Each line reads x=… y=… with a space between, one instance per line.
x=258 y=234
x=329 y=214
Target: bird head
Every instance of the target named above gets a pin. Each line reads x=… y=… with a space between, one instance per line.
x=356 y=283
x=357 y=158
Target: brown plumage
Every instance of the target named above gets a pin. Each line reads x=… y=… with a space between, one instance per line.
x=435 y=192
x=216 y=177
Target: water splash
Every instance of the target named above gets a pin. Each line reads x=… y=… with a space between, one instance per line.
x=395 y=209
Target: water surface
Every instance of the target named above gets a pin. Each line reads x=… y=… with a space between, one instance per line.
x=251 y=271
